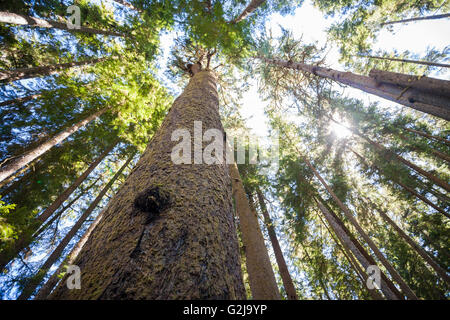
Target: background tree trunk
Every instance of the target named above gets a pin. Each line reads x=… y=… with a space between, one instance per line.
x=252 y=6
x=284 y=271
x=7 y=76
x=19 y=19
x=169 y=232
x=33 y=283
x=260 y=273
x=19 y=162
x=437 y=16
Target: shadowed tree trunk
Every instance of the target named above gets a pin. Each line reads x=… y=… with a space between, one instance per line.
x=284 y=271
x=426 y=84
x=395 y=275
x=441 y=272
x=169 y=231
x=20 y=100
x=429 y=136
x=7 y=76
x=19 y=162
x=348 y=243
x=19 y=19
x=23 y=241
x=46 y=289
x=34 y=282
x=252 y=6
x=404 y=186
x=260 y=273
x=422 y=101
x=426 y=63
x=437 y=16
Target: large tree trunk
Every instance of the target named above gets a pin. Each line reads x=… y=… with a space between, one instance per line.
x=7 y=76
x=426 y=84
x=252 y=6
x=348 y=243
x=19 y=19
x=422 y=101
x=20 y=100
x=284 y=271
x=260 y=273
x=441 y=272
x=169 y=232
x=437 y=16
x=429 y=136
x=19 y=162
x=33 y=283
x=426 y=63
x=395 y=275
x=407 y=188
x=22 y=241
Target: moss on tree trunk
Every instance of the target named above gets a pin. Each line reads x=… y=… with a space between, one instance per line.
x=181 y=243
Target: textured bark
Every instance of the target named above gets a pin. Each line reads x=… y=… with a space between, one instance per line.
x=32 y=284
x=252 y=6
x=395 y=275
x=434 y=105
x=426 y=63
x=434 y=17
x=345 y=240
x=20 y=100
x=426 y=84
x=7 y=76
x=19 y=162
x=429 y=136
x=19 y=19
x=260 y=273
x=184 y=247
x=409 y=189
x=441 y=272
x=284 y=271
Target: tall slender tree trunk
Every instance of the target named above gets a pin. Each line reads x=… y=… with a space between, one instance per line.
x=429 y=136
x=404 y=186
x=362 y=275
x=19 y=19
x=252 y=6
x=426 y=63
x=23 y=241
x=422 y=101
x=441 y=272
x=347 y=243
x=395 y=275
x=47 y=288
x=32 y=284
x=262 y=280
x=20 y=100
x=7 y=76
x=169 y=232
x=21 y=161
x=437 y=16
x=284 y=271
x=66 y=193
x=388 y=153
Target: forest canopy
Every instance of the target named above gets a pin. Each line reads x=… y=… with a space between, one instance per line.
x=119 y=119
